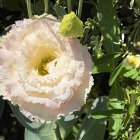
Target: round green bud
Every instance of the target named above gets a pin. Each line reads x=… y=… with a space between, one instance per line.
x=71 y=26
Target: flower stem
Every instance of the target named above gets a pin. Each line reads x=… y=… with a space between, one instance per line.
x=69 y=6
x=80 y=8
x=29 y=8
x=46 y=6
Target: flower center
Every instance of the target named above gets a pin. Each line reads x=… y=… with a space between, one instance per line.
x=42 y=57
x=43 y=68
x=134 y=61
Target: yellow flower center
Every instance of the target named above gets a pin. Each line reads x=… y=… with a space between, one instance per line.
x=42 y=57
x=43 y=68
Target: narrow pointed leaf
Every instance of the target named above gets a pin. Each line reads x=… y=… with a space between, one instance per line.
x=116 y=101
x=116 y=72
x=93 y=128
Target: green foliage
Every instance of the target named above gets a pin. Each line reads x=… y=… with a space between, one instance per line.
x=103 y=64
x=93 y=128
x=116 y=101
x=136 y=134
x=46 y=132
x=111 y=31
x=109 y=25
x=60 y=11
x=132 y=72
x=66 y=124
x=107 y=113
x=23 y=120
x=116 y=72
x=130 y=112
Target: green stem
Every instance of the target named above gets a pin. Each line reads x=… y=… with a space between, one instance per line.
x=69 y=6
x=80 y=8
x=46 y=6
x=29 y=8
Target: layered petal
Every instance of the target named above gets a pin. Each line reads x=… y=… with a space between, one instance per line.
x=42 y=72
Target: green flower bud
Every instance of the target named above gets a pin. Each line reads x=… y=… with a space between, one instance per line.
x=71 y=26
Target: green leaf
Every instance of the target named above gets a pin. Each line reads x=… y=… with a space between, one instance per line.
x=107 y=113
x=107 y=58
x=108 y=25
x=116 y=101
x=130 y=72
x=60 y=11
x=128 y=67
x=94 y=128
x=46 y=132
x=1 y=106
x=116 y=72
x=28 y=135
x=136 y=135
x=129 y=90
x=23 y=120
x=66 y=123
x=103 y=64
x=130 y=112
x=138 y=78
x=135 y=75
x=101 y=69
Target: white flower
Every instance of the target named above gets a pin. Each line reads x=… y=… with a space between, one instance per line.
x=134 y=60
x=45 y=74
